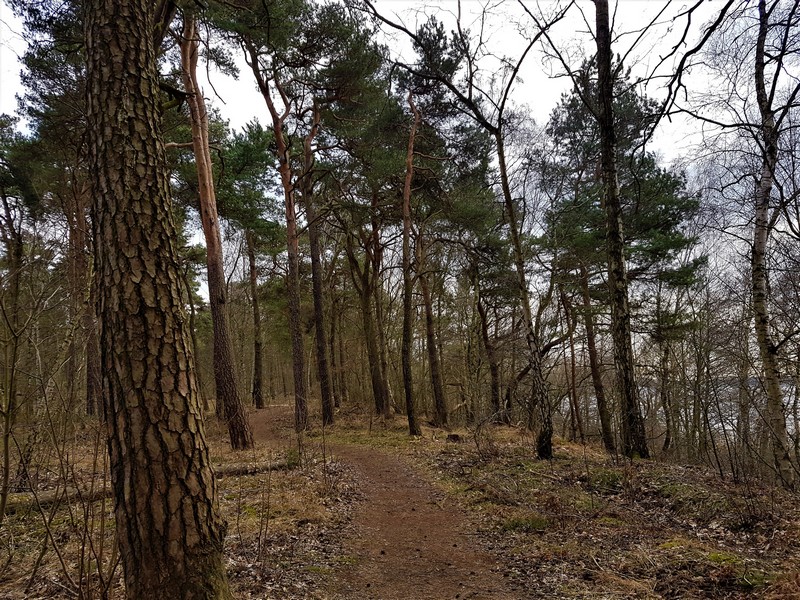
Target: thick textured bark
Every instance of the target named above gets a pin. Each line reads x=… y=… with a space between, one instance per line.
x=408 y=286
x=239 y=431
x=258 y=354
x=307 y=193
x=634 y=441
x=544 y=437
x=169 y=529
x=283 y=154
x=776 y=411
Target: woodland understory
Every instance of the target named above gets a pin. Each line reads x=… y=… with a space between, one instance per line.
x=220 y=344
x=580 y=525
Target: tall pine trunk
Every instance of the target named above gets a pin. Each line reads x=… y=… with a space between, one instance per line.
x=227 y=389
x=634 y=441
x=283 y=154
x=408 y=286
x=321 y=346
x=169 y=529
x=337 y=318
x=377 y=298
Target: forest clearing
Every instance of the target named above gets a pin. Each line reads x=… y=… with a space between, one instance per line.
x=464 y=299
x=365 y=512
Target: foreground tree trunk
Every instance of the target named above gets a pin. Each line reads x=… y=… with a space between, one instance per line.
x=634 y=442
x=235 y=415
x=169 y=529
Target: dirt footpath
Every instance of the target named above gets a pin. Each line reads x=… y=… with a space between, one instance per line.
x=408 y=542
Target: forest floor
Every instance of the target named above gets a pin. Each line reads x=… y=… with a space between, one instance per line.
x=364 y=512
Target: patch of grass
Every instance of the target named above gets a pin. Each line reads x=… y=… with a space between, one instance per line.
x=725 y=568
x=687 y=499
x=583 y=501
x=724 y=558
x=317 y=570
x=673 y=543
x=559 y=551
x=293 y=459
x=677 y=490
x=377 y=438
x=610 y=521
x=605 y=481
x=527 y=524
x=754 y=579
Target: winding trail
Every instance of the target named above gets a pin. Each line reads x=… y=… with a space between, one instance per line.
x=408 y=542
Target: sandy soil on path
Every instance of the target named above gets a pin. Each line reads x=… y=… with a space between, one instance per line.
x=407 y=542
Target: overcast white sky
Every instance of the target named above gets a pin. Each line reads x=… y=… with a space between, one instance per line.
x=538 y=88
x=11 y=43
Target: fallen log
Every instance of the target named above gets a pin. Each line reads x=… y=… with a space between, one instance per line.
x=231 y=470
x=21 y=500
